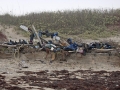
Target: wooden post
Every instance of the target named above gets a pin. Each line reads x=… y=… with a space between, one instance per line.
x=37 y=34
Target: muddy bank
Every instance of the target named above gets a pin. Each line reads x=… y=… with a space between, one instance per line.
x=63 y=80
x=90 y=72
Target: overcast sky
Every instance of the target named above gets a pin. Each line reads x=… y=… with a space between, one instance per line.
x=19 y=7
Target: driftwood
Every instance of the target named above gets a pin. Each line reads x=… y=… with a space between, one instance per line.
x=5 y=45
x=37 y=34
x=102 y=50
x=107 y=51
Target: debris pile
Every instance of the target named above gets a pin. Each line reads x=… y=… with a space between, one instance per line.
x=56 y=45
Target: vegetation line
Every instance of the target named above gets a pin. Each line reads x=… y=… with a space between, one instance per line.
x=84 y=23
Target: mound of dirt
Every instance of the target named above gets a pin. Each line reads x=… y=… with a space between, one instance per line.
x=10 y=33
x=3 y=37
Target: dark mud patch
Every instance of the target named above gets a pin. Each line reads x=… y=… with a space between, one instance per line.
x=68 y=80
x=5 y=86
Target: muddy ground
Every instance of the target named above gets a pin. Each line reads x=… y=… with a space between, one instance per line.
x=33 y=72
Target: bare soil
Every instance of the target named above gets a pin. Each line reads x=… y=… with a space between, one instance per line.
x=90 y=72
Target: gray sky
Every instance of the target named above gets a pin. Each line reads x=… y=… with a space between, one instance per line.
x=19 y=7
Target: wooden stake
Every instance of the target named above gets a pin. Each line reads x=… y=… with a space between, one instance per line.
x=37 y=35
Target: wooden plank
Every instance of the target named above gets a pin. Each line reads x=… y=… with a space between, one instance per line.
x=37 y=35
x=102 y=50
x=5 y=45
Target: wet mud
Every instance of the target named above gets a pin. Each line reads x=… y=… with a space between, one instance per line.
x=64 y=80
